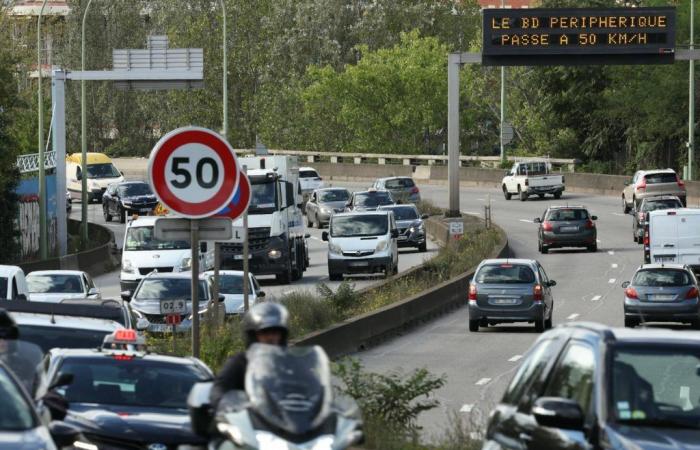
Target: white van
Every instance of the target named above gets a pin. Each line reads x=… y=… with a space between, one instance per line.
x=362 y=242
x=142 y=253
x=673 y=236
x=100 y=172
x=13 y=284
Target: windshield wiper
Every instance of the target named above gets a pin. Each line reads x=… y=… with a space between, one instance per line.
x=660 y=423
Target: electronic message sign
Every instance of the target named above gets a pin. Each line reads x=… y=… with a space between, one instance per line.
x=579 y=36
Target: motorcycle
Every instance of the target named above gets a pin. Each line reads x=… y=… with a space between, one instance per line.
x=288 y=404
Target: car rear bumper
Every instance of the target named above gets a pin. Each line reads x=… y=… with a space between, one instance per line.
x=507 y=314
x=545 y=189
x=359 y=265
x=684 y=311
x=583 y=239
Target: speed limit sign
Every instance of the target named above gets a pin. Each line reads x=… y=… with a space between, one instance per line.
x=193 y=172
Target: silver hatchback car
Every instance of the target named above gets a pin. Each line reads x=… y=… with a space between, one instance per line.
x=510 y=290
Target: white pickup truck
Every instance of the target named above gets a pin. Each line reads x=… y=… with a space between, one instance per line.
x=532 y=178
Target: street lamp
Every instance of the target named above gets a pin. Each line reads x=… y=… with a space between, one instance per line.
x=225 y=78
x=503 y=103
x=83 y=139
x=691 y=97
x=43 y=250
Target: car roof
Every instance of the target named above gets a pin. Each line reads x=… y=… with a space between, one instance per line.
x=92 y=158
x=55 y=272
x=362 y=213
x=397 y=206
x=660 y=197
x=372 y=191
x=210 y=273
x=530 y=262
x=91 y=352
x=653 y=171
x=662 y=266
x=124 y=183
x=9 y=270
x=331 y=189
x=567 y=207
x=69 y=322
x=173 y=275
x=396 y=178
x=308 y=168
x=628 y=335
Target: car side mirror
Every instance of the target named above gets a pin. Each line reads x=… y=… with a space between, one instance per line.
x=324 y=236
x=126 y=295
x=425 y=216
x=307 y=235
x=261 y=294
x=199 y=404
x=394 y=233
x=78 y=176
x=142 y=324
x=21 y=297
x=552 y=283
x=93 y=291
x=537 y=220
x=63 y=434
x=625 y=285
x=222 y=298
x=554 y=412
x=64 y=379
x=594 y=217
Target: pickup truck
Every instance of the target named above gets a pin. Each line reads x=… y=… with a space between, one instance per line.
x=532 y=178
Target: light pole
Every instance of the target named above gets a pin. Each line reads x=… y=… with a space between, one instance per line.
x=503 y=102
x=43 y=250
x=225 y=77
x=691 y=97
x=83 y=139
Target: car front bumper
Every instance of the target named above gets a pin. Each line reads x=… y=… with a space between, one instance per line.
x=531 y=313
x=683 y=311
x=350 y=265
x=415 y=239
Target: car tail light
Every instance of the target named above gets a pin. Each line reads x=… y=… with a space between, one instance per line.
x=646 y=237
x=642 y=184
x=631 y=293
x=414 y=190
x=472 y=293
x=680 y=182
x=590 y=224
x=547 y=226
x=641 y=216
x=123 y=357
x=537 y=293
x=692 y=293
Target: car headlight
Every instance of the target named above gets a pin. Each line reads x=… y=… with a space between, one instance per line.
x=84 y=445
x=325 y=210
x=335 y=248
x=186 y=264
x=126 y=202
x=274 y=254
x=415 y=228
x=381 y=246
x=128 y=267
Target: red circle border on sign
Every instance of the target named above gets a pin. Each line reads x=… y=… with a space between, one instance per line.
x=177 y=139
x=239 y=208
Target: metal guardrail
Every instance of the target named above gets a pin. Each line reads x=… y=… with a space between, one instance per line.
x=30 y=163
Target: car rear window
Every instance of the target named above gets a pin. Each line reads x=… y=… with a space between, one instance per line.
x=661 y=204
x=559 y=215
x=373 y=199
x=398 y=183
x=662 y=277
x=657 y=178
x=505 y=274
x=308 y=174
x=57 y=337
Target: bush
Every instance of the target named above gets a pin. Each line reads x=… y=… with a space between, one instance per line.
x=429 y=208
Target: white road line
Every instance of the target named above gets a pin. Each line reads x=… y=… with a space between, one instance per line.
x=526 y=221
x=572 y=317
x=481 y=199
x=611 y=280
x=614 y=266
x=596 y=298
x=619 y=214
x=483 y=381
x=610 y=252
x=515 y=358
x=467 y=408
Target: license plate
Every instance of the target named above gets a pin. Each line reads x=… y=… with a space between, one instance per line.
x=403 y=238
x=359 y=264
x=240 y=257
x=173 y=306
x=664 y=257
x=145 y=210
x=568 y=229
x=662 y=297
x=504 y=301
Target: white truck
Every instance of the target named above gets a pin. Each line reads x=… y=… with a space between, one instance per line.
x=13 y=284
x=673 y=236
x=276 y=234
x=532 y=177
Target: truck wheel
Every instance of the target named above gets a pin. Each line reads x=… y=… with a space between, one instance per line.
x=298 y=270
x=106 y=214
x=522 y=195
x=506 y=194
x=557 y=195
x=335 y=276
x=286 y=276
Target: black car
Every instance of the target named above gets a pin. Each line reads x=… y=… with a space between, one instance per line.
x=128 y=197
x=588 y=386
x=410 y=224
x=124 y=397
x=639 y=215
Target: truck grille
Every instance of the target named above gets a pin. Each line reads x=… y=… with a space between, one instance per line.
x=147 y=270
x=358 y=254
x=257 y=240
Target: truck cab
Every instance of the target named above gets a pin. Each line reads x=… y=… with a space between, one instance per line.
x=276 y=234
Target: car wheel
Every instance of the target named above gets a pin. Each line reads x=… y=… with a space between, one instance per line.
x=122 y=215
x=695 y=324
x=396 y=269
x=540 y=195
x=423 y=247
x=506 y=194
x=544 y=249
x=540 y=325
x=636 y=239
x=522 y=195
x=473 y=326
x=106 y=214
x=335 y=276
x=625 y=207
x=318 y=223
x=548 y=322
x=557 y=195
x=593 y=248
x=630 y=323
x=309 y=222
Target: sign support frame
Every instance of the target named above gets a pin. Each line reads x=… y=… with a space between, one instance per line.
x=194 y=246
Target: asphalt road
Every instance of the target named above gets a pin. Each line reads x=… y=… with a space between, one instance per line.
x=478 y=366
x=315 y=274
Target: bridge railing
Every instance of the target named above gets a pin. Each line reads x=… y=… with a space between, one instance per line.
x=30 y=162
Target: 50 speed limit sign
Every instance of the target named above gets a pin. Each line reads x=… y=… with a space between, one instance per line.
x=193 y=172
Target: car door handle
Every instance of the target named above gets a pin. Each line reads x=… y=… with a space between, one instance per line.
x=525 y=437
x=669 y=245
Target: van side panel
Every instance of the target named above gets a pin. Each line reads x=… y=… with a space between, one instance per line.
x=689 y=239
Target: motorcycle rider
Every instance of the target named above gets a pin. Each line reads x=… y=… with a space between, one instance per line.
x=265 y=323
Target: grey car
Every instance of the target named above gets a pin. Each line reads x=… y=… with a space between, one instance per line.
x=647 y=205
x=369 y=200
x=410 y=225
x=403 y=189
x=566 y=226
x=662 y=293
x=510 y=290
x=323 y=203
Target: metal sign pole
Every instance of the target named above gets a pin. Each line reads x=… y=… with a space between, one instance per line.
x=215 y=293
x=246 y=276
x=194 y=244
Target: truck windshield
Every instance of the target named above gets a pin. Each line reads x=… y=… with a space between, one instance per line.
x=354 y=226
x=263 y=198
x=106 y=170
x=141 y=238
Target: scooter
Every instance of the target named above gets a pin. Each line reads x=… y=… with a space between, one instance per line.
x=288 y=404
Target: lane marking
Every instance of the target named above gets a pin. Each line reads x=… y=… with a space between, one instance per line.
x=483 y=381
x=572 y=317
x=467 y=408
x=611 y=280
x=614 y=266
x=526 y=221
x=610 y=252
x=481 y=199
x=619 y=214
x=596 y=298
x=515 y=358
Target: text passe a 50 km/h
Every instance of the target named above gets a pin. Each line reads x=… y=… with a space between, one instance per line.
x=579 y=36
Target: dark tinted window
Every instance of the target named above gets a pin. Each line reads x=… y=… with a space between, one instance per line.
x=308 y=174
x=528 y=371
x=660 y=178
x=340 y=195
x=373 y=199
x=661 y=204
x=403 y=212
x=15 y=414
x=662 y=277
x=398 y=183
x=56 y=337
x=505 y=273
x=232 y=284
x=169 y=289
x=574 y=375
x=134 y=189
x=105 y=380
x=560 y=215
x=3 y=287
x=349 y=226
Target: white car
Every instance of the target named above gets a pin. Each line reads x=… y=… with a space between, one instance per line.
x=231 y=287
x=309 y=181
x=13 y=284
x=56 y=285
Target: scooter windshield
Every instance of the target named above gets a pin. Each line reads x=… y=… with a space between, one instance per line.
x=289 y=388
x=23 y=359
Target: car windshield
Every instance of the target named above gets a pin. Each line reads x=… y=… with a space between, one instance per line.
x=656 y=385
x=48 y=337
x=141 y=238
x=106 y=170
x=356 y=226
x=263 y=198
x=561 y=215
x=658 y=178
x=16 y=414
x=232 y=284
x=3 y=287
x=335 y=196
x=661 y=204
x=373 y=199
x=399 y=183
x=404 y=212
x=661 y=277
x=169 y=289
x=136 y=382
x=505 y=274
x=54 y=284
x=308 y=174
x=135 y=189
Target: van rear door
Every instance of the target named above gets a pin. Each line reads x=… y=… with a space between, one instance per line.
x=689 y=237
x=663 y=236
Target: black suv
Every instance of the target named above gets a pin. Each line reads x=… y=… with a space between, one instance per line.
x=128 y=197
x=588 y=386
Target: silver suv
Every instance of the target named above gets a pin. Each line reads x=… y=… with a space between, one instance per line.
x=651 y=183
